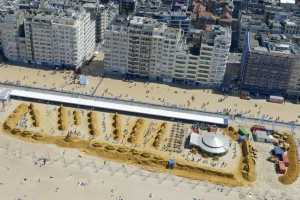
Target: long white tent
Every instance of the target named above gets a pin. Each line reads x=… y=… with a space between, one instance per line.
x=120 y=106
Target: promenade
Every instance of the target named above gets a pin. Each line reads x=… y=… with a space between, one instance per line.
x=150 y=109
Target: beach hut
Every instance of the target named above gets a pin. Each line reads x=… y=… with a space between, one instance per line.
x=245 y=95
x=276 y=99
x=281 y=168
x=243 y=131
x=83 y=80
x=257 y=127
x=171 y=164
x=263 y=136
x=278 y=152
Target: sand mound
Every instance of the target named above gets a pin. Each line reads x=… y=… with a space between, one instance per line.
x=62 y=118
x=248 y=163
x=293 y=170
x=116 y=133
x=159 y=135
x=93 y=124
x=77 y=117
x=135 y=134
x=14 y=118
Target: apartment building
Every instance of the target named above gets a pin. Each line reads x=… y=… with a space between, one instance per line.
x=144 y=47
x=47 y=37
x=291 y=26
x=270 y=64
x=127 y=7
x=205 y=64
x=163 y=12
x=13 y=43
x=176 y=19
x=116 y=47
x=141 y=47
x=102 y=14
x=250 y=23
x=255 y=6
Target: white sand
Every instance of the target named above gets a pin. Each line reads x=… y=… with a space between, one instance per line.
x=48 y=125
x=71 y=174
x=18 y=159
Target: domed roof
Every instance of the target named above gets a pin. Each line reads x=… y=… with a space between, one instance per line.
x=214 y=143
x=214 y=140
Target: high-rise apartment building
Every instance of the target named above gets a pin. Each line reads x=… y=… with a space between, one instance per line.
x=54 y=38
x=270 y=64
x=250 y=23
x=291 y=26
x=147 y=48
x=127 y=7
x=205 y=64
x=102 y=15
x=176 y=19
x=141 y=47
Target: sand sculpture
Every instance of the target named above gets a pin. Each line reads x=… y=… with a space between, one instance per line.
x=93 y=123
x=148 y=158
x=293 y=170
x=76 y=117
x=159 y=135
x=116 y=132
x=135 y=134
x=62 y=118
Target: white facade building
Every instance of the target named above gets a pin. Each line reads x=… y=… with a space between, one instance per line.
x=102 y=15
x=11 y=43
x=49 y=38
x=291 y=26
x=143 y=47
x=209 y=66
x=220 y=54
x=116 y=49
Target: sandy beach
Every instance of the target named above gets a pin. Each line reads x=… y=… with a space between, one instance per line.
x=142 y=151
x=71 y=174
x=155 y=93
x=43 y=171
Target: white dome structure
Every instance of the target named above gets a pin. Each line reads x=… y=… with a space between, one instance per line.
x=214 y=143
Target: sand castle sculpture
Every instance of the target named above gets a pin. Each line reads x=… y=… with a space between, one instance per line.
x=151 y=158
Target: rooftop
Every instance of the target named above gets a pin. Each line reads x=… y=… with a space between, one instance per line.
x=214 y=143
x=119 y=106
x=274 y=43
x=288 y=1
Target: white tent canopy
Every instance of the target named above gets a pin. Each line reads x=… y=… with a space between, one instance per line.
x=212 y=143
x=4 y=94
x=119 y=106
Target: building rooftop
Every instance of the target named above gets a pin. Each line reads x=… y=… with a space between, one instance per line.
x=128 y=107
x=213 y=143
x=143 y=21
x=287 y=1
x=67 y=16
x=4 y=94
x=273 y=43
x=234 y=57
